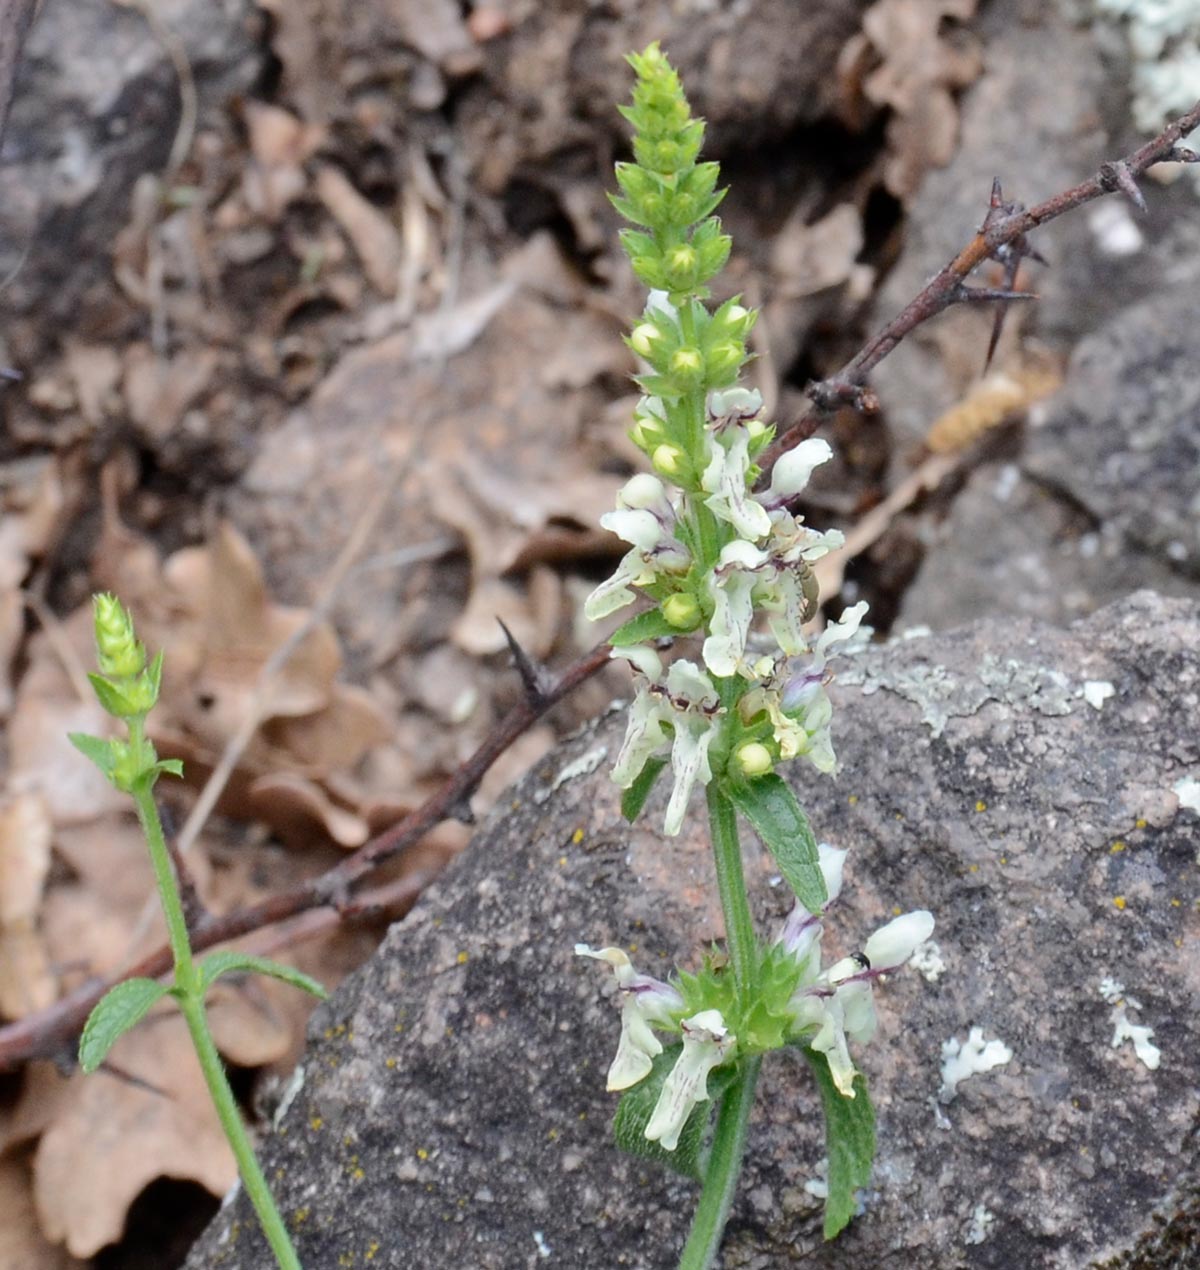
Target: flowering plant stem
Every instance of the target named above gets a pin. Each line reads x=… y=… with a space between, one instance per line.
x=128 y=687
x=724 y=1169
x=189 y=994
x=731 y=885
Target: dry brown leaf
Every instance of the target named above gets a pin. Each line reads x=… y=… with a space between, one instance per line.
x=530 y=612
x=338 y=736
x=998 y=398
x=299 y=810
x=112 y=1138
x=375 y=238
x=27 y=982
x=159 y=391
x=43 y=1087
x=95 y=371
x=235 y=627
x=22 y=1244
x=920 y=66
x=810 y=258
x=32 y=508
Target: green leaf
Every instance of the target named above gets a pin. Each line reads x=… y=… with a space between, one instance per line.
x=98 y=751
x=634 y=798
x=637 y=1105
x=112 y=698
x=648 y=625
x=849 y=1142
x=172 y=766
x=230 y=961
x=116 y=1012
x=771 y=807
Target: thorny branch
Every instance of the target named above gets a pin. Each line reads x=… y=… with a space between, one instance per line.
x=1000 y=237
x=49 y=1033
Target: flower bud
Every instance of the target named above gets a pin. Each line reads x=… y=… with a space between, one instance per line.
x=643 y=337
x=682 y=611
x=118 y=652
x=724 y=360
x=681 y=259
x=754 y=759
x=687 y=363
x=668 y=459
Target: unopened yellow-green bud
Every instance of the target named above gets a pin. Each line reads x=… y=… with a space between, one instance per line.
x=682 y=259
x=667 y=459
x=735 y=313
x=643 y=337
x=754 y=759
x=118 y=652
x=687 y=362
x=755 y=429
x=682 y=612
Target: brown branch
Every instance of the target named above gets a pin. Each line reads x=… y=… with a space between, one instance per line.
x=997 y=235
x=48 y=1032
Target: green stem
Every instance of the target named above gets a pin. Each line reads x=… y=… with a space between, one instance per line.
x=724 y=1168
x=231 y=1121
x=191 y=1004
x=731 y=884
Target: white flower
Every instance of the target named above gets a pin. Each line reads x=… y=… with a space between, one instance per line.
x=707 y=1043
x=836 y=1005
x=792 y=471
x=731 y=585
x=646 y=1003
x=677 y=712
x=646 y=519
x=725 y=481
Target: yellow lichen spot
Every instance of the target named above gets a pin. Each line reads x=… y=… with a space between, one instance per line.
x=348 y=1141
x=422 y=1153
x=331 y=1062
x=973 y=869
x=389 y=1063
x=577 y=837
x=300 y=1216
x=981 y=805
x=853 y=800
x=357 y=1173
x=372 y=1249
x=346 y=1259
x=1116 y=846
x=398 y=1028
x=552 y=1134
x=449 y=1031
x=1179 y=942
x=280 y=1173
x=562 y=861
x=1140 y=822
x=315 y=1123
x=1119 y=901
x=329 y=1034
x=583 y=1115
x=463 y=957
x=896 y=910
x=1004 y=859
x=337 y=1031
x=899 y=815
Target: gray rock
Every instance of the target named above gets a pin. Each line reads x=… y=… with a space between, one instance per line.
x=96 y=105
x=1103 y=500
x=450 y=1109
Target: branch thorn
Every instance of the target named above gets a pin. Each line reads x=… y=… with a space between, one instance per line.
x=533 y=677
x=1117 y=176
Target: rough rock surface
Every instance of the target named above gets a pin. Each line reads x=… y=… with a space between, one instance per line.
x=65 y=189
x=1039 y=126
x=451 y=1112
x=1103 y=498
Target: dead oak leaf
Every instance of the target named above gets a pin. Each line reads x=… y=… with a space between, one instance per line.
x=920 y=66
x=27 y=982
x=23 y=1246
x=112 y=1137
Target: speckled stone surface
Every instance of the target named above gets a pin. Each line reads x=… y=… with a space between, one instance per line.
x=1016 y=779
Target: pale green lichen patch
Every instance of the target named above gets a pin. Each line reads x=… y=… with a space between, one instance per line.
x=943 y=695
